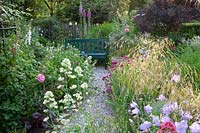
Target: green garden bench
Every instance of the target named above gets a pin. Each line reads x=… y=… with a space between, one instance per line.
x=97 y=48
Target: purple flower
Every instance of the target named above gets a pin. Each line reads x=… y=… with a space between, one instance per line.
x=148 y=109
x=175 y=78
x=80 y=9
x=156 y=120
x=133 y=105
x=180 y=112
x=186 y=116
x=181 y=127
x=142 y=51
x=145 y=125
x=135 y=111
x=161 y=97
x=166 y=109
x=89 y=14
x=165 y=119
x=195 y=128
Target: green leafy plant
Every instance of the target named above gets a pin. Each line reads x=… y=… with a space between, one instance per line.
x=100 y=31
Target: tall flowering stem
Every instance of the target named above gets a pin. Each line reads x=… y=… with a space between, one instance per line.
x=84 y=23
x=81 y=18
x=89 y=14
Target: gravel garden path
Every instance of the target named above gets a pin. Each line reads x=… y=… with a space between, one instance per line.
x=95 y=112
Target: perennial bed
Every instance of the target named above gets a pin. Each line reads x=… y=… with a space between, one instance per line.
x=152 y=92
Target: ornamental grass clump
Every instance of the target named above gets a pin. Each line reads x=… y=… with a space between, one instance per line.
x=154 y=74
x=156 y=71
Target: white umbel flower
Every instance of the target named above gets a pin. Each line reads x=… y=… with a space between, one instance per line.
x=78 y=70
x=49 y=94
x=84 y=85
x=72 y=76
x=60 y=86
x=61 y=79
x=73 y=87
x=46 y=119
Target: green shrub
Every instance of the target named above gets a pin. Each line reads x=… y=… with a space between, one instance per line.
x=189 y=30
x=19 y=95
x=100 y=31
x=186 y=31
x=189 y=52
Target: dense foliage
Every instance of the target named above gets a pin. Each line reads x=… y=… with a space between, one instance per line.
x=164 y=16
x=22 y=86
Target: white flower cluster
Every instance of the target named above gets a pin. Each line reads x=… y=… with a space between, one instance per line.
x=67 y=101
x=84 y=85
x=49 y=100
x=73 y=87
x=66 y=67
x=79 y=71
x=78 y=96
x=72 y=76
x=67 y=64
x=62 y=119
x=87 y=62
x=60 y=86
x=61 y=79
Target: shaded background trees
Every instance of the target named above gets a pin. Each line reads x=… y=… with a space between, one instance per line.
x=165 y=16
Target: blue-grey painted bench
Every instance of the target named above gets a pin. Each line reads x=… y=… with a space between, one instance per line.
x=97 y=48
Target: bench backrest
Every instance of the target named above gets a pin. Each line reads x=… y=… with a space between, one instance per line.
x=88 y=45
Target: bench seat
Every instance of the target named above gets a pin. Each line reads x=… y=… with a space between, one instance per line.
x=97 y=48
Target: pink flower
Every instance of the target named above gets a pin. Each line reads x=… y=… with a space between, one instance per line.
x=125 y=57
x=89 y=14
x=41 y=78
x=114 y=62
x=84 y=13
x=108 y=90
x=105 y=77
x=167 y=127
x=126 y=29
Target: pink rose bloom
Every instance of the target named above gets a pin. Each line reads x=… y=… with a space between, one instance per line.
x=41 y=78
x=167 y=127
x=126 y=29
